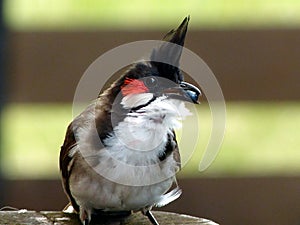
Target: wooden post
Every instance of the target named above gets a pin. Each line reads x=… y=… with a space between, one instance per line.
x=60 y=218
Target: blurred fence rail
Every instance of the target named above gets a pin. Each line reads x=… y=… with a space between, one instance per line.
x=249 y=64
x=227 y=201
x=60 y=218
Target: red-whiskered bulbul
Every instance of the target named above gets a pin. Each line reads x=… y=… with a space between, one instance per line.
x=120 y=155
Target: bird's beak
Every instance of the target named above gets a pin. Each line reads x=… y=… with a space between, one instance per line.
x=191 y=91
x=184 y=91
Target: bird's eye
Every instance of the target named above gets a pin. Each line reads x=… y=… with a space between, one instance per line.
x=151 y=82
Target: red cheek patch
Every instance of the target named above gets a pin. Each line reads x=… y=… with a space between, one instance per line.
x=133 y=86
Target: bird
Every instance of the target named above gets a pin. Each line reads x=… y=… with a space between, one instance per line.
x=120 y=155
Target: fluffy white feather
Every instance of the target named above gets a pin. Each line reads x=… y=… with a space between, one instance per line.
x=127 y=174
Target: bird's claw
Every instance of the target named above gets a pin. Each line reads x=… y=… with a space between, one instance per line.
x=151 y=217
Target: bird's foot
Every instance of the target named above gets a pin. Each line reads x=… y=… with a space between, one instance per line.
x=85 y=217
x=150 y=216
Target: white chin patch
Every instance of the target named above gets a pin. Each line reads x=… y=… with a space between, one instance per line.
x=135 y=100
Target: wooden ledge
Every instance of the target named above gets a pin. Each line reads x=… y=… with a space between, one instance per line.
x=59 y=218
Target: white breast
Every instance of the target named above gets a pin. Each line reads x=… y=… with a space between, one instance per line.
x=127 y=174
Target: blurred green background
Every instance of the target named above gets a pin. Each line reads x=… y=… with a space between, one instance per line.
x=261 y=136
x=260 y=140
x=147 y=14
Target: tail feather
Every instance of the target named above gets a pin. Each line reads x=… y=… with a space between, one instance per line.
x=169 y=197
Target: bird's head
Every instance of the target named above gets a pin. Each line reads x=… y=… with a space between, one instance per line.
x=161 y=76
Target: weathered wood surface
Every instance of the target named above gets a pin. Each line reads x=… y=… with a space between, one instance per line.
x=59 y=218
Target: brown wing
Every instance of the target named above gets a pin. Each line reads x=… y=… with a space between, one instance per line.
x=66 y=163
x=176 y=154
x=171 y=147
